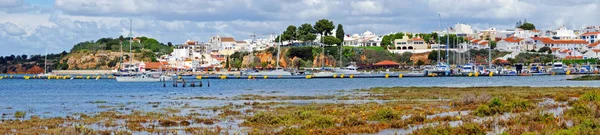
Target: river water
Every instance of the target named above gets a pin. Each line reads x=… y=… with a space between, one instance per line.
x=50 y=98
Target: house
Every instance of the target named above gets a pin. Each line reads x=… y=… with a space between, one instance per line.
x=413 y=45
x=478 y=44
x=366 y=39
x=510 y=44
x=563 y=48
x=590 y=37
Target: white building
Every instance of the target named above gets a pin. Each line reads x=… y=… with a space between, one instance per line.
x=463 y=29
x=509 y=44
x=365 y=39
x=561 y=33
x=590 y=37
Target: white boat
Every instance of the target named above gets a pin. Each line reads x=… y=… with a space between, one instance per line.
x=347 y=70
x=441 y=69
x=145 y=77
x=277 y=72
x=467 y=68
x=558 y=68
x=324 y=74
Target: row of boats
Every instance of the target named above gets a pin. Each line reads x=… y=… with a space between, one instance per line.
x=440 y=69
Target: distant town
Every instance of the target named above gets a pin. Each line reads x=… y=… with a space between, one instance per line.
x=458 y=44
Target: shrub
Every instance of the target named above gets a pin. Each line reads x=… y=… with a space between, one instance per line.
x=590 y=96
x=465 y=129
x=266 y=118
x=292 y=131
x=320 y=122
x=353 y=121
x=561 y=97
x=385 y=115
x=20 y=114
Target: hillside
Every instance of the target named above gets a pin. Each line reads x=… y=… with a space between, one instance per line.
x=101 y=54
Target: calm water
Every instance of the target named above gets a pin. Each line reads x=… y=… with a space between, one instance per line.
x=64 y=97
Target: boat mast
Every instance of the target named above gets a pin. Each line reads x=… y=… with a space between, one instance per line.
x=322 y=52
x=121 y=67
x=490 y=51
x=130 y=41
x=438 y=37
x=278 y=51
x=46 y=61
x=447 y=44
x=341 y=50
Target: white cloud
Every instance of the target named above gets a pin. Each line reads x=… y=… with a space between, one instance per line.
x=12 y=29
x=366 y=8
x=68 y=22
x=10 y=3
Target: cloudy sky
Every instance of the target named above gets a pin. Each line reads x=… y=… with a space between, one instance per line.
x=27 y=26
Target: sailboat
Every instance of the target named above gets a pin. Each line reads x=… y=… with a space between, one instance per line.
x=140 y=77
x=45 y=74
x=278 y=70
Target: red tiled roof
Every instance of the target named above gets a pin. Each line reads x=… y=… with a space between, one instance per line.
x=386 y=63
x=572 y=41
x=227 y=39
x=596 y=50
x=154 y=65
x=417 y=38
x=554 y=49
x=565 y=51
x=475 y=40
x=590 y=33
x=513 y=39
x=574 y=57
x=593 y=44
x=483 y=43
x=546 y=40
x=190 y=42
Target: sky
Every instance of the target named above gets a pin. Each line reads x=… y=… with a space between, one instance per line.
x=29 y=26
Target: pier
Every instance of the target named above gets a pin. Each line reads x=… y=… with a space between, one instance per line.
x=181 y=79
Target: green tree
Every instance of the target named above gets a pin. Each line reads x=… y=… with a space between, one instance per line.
x=290 y=33
x=545 y=49
x=306 y=32
x=527 y=26
x=330 y=40
x=493 y=44
x=304 y=52
x=339 y=33
x=420 y=62
x=324 y=26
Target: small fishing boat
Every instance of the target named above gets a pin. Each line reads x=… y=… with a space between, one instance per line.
x=558 y=68
x=467 y=69
x=145 y=77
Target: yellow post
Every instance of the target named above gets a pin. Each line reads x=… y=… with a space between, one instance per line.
x=342 y=76
x=97 y=77
x=11 y=76
x=249 y=77
x=308 y=76
x=1 y=77
x=491 y=74
x=351 y=76
x=476 y=74
x=26 y=77
x=223 y=77
x=387 y=75
x=265 y=77
x=470 y=74
x=400 y=76
x=334 y=75
x=568 y=72
x=178 y=77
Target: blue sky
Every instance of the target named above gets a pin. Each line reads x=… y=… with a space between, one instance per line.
x=29 y=26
